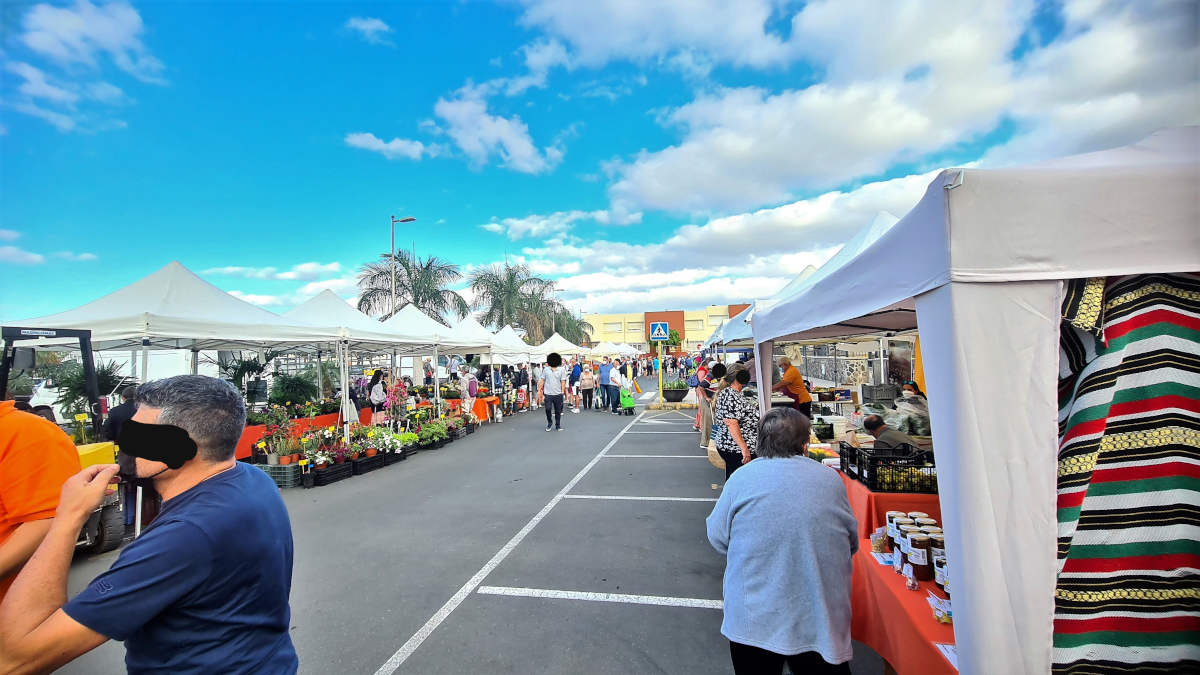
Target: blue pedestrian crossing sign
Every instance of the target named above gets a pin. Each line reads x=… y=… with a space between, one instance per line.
x=659 y=331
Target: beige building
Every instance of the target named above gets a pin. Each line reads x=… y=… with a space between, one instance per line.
x=694 y=325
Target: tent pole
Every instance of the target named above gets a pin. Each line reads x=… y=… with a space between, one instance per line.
x=346 y=408
x=145 y=359
x=320 y=387
x=437 y=388
x=195 y=361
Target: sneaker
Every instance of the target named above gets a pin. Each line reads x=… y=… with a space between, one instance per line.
x=558 y=428
x=548 y=427
x=575 y=410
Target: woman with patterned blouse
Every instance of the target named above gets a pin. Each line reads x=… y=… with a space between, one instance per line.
x=736 y=428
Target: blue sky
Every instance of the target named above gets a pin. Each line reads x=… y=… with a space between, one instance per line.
x=648 y=157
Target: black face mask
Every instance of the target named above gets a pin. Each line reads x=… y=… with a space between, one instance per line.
x=156 y=442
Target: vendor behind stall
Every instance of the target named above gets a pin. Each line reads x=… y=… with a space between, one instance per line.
x=792 y=385
x=885 y=436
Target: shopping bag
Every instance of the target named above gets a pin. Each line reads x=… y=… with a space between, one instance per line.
x=627 y=398
x=714 y=457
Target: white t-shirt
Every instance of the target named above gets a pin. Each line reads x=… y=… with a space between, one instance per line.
x=553 y=378
x=614 y=377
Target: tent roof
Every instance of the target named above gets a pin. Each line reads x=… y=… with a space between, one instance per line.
x=469 y=335
x=628 y=349
x=506 y=341
x=605 y=349
x=1083 y=216
x=411 y=321
x=176 y=309
x=558 y=343
x=335 y=315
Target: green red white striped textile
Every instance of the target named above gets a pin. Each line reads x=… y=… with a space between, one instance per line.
x=1128 y=592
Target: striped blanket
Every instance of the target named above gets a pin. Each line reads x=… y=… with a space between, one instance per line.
x=1128 y=592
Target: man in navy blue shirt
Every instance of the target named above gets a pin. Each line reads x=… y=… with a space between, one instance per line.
x=204 y=589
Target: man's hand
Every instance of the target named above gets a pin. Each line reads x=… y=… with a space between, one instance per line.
x=83 y=492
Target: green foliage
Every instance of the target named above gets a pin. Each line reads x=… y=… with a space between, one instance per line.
x=72 y=385
x=420 y=281
x=21 y=385
x=511 y=295
x=675 y=384
x=289 y=389
x=673 y=338
x=331 y=377
x=408 y=438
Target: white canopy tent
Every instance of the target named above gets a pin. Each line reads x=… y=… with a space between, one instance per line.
x=979 y=264
x=508 y=348
x=412 y=322
x=173 y=308
x=627 y=349
x=558 y=343
x=605 y=349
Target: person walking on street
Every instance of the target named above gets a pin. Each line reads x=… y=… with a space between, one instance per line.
x=550 y=390
x=614 y=387
x=576 y=373
x=771 y=613
x=587 y=385
x=377 y=391
x=735 y=422
x=605 y=369
x=205 y=587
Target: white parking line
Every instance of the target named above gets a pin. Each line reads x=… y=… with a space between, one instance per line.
x=661 y=600
x=655 y=456
x=642 y=499
x=692 y=431
x=406 y=650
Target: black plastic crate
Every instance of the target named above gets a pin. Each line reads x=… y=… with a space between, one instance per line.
x=284 y=475
x=367 y=464
x=333 y=473
x=390 y=458
x=900 y=469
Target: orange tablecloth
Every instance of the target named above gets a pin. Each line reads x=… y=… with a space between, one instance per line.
x=481 y=407
x=894 y=621
x=869 y=507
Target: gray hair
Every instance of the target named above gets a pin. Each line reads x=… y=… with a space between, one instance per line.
x=783 y=432
x=210 y=410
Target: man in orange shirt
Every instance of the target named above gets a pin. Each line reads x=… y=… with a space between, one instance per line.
x=36 y=458
x=792 y=386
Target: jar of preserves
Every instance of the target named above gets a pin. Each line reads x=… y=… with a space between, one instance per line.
x=937 y=544
x=925 y=522
x=894 y=530
x=939 y=571
x=930 y=529
x=917 y=514
x=906 y=531
x=918 y=556
x=891 y=517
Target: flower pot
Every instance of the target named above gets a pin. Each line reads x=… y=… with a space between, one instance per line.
x=371 y=452
x=353 y=456
x=296 y=457
x=339 y=460
x=321 y=465
x=273 y=458
x=674 y=395
x=285 y=460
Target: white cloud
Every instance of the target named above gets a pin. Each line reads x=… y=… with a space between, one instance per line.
x=75 y=257
x=12 y=254
x=301 y=272
x=397 y=147
x=600 y=31
x=9 y=235
x=58 y=120
x=38 y=86
x=105 y=92
x=906 y=80
x=481 y=135
x=544 y=225
x=78 y=33
x=371 y=29
x=259 y=299
x=540 y=57
x=340 y=286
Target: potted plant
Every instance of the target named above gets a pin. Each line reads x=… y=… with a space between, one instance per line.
x=674 y=391
x=471 y=421
x=375 y=439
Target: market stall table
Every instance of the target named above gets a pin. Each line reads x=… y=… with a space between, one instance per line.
x=482 y=407
x=870 y=507
x=894 y=621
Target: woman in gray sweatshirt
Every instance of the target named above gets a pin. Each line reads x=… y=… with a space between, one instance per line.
x=785 y=526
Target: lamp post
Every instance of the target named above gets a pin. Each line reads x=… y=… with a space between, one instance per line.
x=392 y=254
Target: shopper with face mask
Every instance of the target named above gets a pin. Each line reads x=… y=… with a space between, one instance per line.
x=204 y=588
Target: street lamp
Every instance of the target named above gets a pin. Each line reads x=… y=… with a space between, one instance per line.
x=392 y=253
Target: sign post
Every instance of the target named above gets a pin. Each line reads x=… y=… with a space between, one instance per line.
x=659 y=334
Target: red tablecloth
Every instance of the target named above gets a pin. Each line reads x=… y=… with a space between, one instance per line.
x=894 y=621
x=869 y=507
x=481 y=407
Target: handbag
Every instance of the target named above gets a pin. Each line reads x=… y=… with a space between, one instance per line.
x=714 y=457
x=693 y=381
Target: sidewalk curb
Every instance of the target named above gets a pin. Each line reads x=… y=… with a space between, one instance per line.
x=671 y=406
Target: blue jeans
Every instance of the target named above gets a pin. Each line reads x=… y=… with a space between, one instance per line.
x=614 y=396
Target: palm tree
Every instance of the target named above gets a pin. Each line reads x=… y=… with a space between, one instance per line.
x=511 y=295
x=421 y=282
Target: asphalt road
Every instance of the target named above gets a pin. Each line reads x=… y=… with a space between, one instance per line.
x=493 y=555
